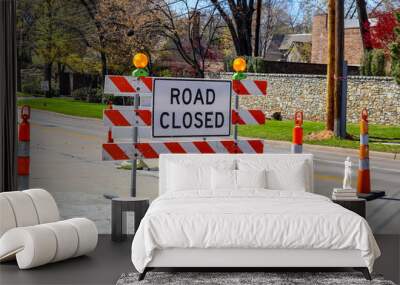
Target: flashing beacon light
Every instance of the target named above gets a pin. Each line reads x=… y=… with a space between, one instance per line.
x=140 y=61
x=239 y=66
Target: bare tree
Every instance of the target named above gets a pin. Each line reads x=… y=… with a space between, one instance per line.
x=125 y=32
x=192 y=29
x=273 y=18
x=92 y=9
x=238 y=16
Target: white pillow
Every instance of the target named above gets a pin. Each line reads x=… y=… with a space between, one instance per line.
x=187 y=175
x=251 y=178
x=291 y=178
x=223 y=179
x=227 y=179
x=284 y=174
x=183 y=177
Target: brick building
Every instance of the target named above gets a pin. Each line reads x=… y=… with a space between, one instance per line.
x=353 y=48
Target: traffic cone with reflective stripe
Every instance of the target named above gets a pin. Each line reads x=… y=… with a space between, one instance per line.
x=297 y=135
x=364 y=180
x=23 y=160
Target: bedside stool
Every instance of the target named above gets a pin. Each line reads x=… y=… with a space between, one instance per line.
x=119 y=207
x=357 y=205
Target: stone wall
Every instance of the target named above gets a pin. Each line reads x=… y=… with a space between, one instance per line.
x=288 y=93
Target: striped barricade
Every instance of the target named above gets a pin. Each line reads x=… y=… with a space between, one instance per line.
x=126 y=118
x=248 y=117
x=248 y=87
x=152 y=150
x=128 y=85
x=126 y=133
x=129 y=117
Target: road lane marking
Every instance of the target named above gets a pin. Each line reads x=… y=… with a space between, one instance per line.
x=327 y=177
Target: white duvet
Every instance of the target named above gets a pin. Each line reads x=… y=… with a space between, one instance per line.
x=250 y=219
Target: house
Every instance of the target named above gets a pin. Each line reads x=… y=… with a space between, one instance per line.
x=353 y=46
x=296 y=47
x=289 y=47
x=272 y=51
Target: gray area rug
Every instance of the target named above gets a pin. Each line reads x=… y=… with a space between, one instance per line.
x=236 y=278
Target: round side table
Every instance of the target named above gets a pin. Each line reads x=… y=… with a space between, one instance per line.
x=119 y=207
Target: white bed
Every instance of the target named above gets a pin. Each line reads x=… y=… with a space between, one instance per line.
x=248 y=227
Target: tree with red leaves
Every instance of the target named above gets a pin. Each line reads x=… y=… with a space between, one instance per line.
x=381 y=33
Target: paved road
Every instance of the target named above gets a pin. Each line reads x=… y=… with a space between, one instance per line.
x=66 y=159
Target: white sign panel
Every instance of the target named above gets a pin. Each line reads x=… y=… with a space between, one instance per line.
x=191 y=108
x=45 y=85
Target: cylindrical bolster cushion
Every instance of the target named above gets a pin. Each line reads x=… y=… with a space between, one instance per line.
x=87 y=235
x=7 y=218
x=37 y=245
x=33 y=246
x=67 y=240
x=23 y=207
x=45 y=205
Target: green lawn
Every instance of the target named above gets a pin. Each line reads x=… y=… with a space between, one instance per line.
x=22 y=94
x=272 y=130
x=282 y=130
x=65 y=106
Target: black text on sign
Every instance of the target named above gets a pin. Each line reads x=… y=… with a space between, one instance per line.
x=191 y=108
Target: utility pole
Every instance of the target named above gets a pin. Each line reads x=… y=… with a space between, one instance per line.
x=339 y=60
x=330 y=76
x=258 y=23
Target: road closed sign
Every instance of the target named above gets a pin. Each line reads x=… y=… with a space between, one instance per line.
x=191 y=108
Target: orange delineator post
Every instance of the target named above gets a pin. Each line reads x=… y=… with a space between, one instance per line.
x=364 y=179
x=110 y=137
x=23 y=160
x=297 y=135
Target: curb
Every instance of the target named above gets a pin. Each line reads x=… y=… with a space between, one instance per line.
x=65 y=115
x=350 y=151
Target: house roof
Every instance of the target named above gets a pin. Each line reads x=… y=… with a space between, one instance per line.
x=290 y=38
x=354 y=24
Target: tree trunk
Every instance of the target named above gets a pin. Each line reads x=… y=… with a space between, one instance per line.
x=48 y=71
x=199 y=72
x=104 y=68
x=363 y=21
x=244 y=35
x=258 y=23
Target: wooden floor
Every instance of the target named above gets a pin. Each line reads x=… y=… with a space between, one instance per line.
x=110 y=260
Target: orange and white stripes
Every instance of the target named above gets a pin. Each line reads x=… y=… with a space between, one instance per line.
x=248 y=117
x=24 y=138
x=127 y=85
x=126 y=118
x=130 y=117
x=364 y=179
x=249 y=87
x=125 y=151
x=297 y=135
